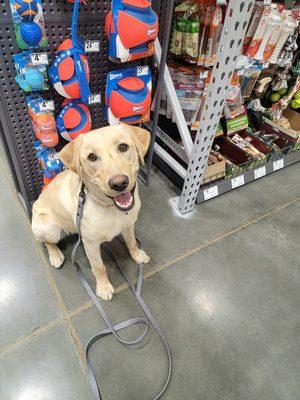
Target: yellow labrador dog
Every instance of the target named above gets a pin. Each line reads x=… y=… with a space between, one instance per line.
x=106 y=161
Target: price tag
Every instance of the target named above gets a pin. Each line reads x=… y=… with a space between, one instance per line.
x=39 y=59
x=260 y=172
x=203 y=75
x=211 y=192
x=267 y=2
x=279 y=164
x=95 y=98
x=238 y=181
x=47 y=105
x=92 y=46
x=142 y=71
x=265 y=65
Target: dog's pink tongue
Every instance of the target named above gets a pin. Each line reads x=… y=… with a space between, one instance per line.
x=123 y=198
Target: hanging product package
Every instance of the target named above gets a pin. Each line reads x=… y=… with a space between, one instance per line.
x=29 y=23
x=43 y=121
x=131 y=28
x=30 y=77
x=74 y=119
x=234 y=105
x=214 y=37
x=179 y=28
x=49 y=163
x=128 y=95
x=190 y=40
x=70 y=73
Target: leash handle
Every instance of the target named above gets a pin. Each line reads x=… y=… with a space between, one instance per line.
x=114 y=328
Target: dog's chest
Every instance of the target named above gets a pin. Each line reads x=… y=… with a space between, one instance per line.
x=104 y=224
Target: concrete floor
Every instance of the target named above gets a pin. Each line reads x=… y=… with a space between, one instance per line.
x=223 y=283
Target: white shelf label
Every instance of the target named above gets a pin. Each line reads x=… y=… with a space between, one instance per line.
x=142 y=71
x=260 y=172
x=279 y=164
x=211 y=192
x=39 y=59
x=47 y=105
x=238 y=181
x=95 y=98
x=265 y=65
x=92 y=46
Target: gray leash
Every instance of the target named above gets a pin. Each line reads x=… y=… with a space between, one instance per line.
x=114 y=329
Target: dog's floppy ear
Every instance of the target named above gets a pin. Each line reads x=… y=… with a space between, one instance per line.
x=70 y=155
x=141 y=139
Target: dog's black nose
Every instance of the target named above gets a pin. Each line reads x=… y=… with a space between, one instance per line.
x=118 y=183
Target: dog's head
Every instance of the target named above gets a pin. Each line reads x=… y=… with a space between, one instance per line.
x=107 y=161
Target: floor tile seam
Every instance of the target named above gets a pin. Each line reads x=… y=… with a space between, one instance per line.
x=61 y=304
x=189 y=252
x=198 y=248
x=122 y=287
x=23 y=339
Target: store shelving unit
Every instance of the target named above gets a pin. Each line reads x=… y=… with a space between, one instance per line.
x=15 y=127
x=191 y=178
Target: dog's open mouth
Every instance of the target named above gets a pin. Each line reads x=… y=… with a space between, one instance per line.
x=125 y=201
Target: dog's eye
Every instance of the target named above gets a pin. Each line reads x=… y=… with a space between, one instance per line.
x=92 y=157
x=123 y=147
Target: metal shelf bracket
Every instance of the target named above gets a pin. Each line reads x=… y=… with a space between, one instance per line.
x=234 y=29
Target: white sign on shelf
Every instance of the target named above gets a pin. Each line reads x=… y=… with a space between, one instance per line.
x=95 y=98
x=39 y=59
x=92 y=46
x=260 y=172
x=279 y=164
x=142 y=71
x=265 y=65
x=211 y=192
x=47 y=105
x=238 y=181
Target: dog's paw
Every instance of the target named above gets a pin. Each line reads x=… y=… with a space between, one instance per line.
x=140 y=257
x=56 y=258
x=105 y=291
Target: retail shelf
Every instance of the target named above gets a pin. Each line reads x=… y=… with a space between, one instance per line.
x=238 y=176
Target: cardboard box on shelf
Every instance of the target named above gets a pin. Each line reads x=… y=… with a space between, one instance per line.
x=215 y=171
x=294 y=118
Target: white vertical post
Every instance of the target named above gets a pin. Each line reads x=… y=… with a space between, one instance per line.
x=234 y=30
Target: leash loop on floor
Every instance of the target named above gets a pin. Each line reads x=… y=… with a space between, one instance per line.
x=113 y=329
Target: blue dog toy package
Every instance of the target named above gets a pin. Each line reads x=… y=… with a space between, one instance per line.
x=131 y=28
x=128 y=95
x=30 y=77
x=50 y=165
x=29 y=23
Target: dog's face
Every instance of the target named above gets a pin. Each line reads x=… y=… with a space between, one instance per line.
x=107 y=160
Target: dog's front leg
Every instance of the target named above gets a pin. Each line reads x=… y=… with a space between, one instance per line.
x=104 y=288
x=138 y=255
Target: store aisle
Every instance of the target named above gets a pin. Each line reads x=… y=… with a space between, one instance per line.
x=223 y=283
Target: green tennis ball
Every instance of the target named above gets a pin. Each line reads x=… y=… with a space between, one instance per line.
x=275 y=97
x=283 y=91
x=295 y=104
x=297 y=95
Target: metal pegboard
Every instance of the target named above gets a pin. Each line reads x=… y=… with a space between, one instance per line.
x=16 y=126
x=233 y=33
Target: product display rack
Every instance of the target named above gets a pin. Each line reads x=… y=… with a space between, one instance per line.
x=18 y=136
x=15 y=127
x=171 y=156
